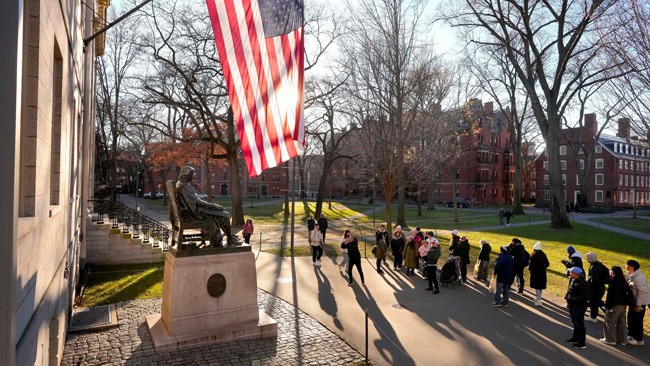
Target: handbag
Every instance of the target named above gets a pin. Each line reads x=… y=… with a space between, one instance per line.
x=373 y=250
x=493 y=284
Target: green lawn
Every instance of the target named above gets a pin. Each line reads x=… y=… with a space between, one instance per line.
x=642 y=225
x=111 y=284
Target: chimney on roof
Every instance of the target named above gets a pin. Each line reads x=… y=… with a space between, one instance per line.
x=591 y=125
x=623 y=128
x=488 y=108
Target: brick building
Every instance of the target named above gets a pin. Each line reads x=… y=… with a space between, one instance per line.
x=484 y=169
x=619 y=168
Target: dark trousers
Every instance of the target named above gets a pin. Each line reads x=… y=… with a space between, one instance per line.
x=322 y=231
x=397 y=256
x=463 y=270
x=355 y=262
x=432 y=276
x=316 y=253
x=635 y=323
x=519 y=273
x=247 y=238
x=595 y=301
x=578 y=319
x=379 y=264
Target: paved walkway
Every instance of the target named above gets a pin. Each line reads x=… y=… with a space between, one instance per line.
x=301 y=341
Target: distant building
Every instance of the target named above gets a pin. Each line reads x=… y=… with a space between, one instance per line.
x=48 y=103
x=483 y=172
x=619 y=171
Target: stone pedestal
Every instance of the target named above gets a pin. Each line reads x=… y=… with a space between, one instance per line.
x=209 y=296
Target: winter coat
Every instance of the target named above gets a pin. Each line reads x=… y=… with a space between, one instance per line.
x=410 y=254
x=461 y=250
x=503 y=268
x=381 y=235
x=397 y=244
x=575 y=260
x=432 y=256
x=484 y=254
x=537 y=267
x=519 y=253
x=598 y=277
x=310 y=224
x=353 y=250
x=618 y=294
x=577 y=294
x=380 y=252
x=639 y=285
x=322 y=223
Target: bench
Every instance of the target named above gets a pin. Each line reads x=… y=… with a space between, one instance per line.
x=179 y=237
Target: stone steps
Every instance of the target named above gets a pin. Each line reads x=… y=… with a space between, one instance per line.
x=106 y=246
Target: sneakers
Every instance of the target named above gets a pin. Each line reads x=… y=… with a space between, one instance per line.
x=604 y=340
x=350 y=283
x=506 y=305
x=380 y=272
x=579 y=346
x=590 y=319
x=571 y=341
x=633 y=342
x=436 y=291
x=318 y=263
x=496 y=304
x=538 y=303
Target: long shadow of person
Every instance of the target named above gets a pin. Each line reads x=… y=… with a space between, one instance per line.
x=326 y=298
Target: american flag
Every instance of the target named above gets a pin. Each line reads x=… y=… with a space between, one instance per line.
x=261 y=45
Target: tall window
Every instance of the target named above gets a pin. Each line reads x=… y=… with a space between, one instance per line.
x=599 y=196
x=545 y=165
x=599 y=179
x=562 y=150
x=563 y=164
x=577 y=180
x=598 y=149
x=564 y=179
x=582 y=164
x=55 y=147
x=600 y=163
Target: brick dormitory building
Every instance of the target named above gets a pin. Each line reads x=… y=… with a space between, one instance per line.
x=619 y=168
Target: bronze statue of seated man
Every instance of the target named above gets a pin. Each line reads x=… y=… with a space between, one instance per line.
x=194 y=210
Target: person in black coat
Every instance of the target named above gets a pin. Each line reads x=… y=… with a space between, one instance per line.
x=598 y=277
x=352 y=245
x=322 y=224
x=575 y=259
x=462 y=250
x=380 y=234
x=397 y=244
x=503 y=273
x=576 y=297
x=518 y=252
x=484 y=260
x=537 y=267
x=619 y=296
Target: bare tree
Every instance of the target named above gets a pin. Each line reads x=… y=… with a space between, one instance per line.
x=556 y=49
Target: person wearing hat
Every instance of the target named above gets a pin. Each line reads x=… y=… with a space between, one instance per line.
x=484 y=260
x=461 y=249
x=576 y=297
x=431 y=257
x=503 y=270
x=639 y=285
x=537 y=267
x=397 y=244
x=575 y=259
x=598 y=277
x=410 y=254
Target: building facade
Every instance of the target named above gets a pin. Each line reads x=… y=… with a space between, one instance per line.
x=483 y=170
x=618 y=170
x=48 y=123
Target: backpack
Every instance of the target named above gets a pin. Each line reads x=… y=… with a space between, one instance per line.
x=523 y=258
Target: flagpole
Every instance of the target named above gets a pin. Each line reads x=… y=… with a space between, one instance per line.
x=292 y=163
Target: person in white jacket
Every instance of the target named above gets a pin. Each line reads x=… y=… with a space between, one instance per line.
x=639 y=285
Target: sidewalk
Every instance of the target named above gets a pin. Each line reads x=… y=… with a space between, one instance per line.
x=410 y=326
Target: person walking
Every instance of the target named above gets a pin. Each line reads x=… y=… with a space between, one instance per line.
x=316 y=243
x=508 y=214
x=351 y=244
x=247 y=231
x=575 y=259
x=577 y=296
x=461 y=249
x=537 y=267
x=521 y=257
x=598 y=277
x=344 y=252
x=503 y=270
x=322 y=224
x=310 y=224
x=484 y=260
x=502 y=215
x=639 y=285
x=619 y=296
x=380 y=252
x=410 y=254
x=397 y=244
x=431 y=257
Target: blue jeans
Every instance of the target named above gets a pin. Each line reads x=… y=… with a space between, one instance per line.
x=578 y=319
x=502 y=288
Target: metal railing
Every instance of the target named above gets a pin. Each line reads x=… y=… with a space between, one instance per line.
x=131 y=221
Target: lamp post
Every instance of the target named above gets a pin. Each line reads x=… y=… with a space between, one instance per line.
x=137 y=189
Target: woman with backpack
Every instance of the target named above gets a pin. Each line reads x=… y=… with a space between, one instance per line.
x=537 y=267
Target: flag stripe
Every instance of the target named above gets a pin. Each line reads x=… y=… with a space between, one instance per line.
x=264 y=76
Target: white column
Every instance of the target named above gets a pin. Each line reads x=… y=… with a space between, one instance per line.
x=11 y=19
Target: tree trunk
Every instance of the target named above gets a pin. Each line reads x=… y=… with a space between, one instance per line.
x=401 y=191
x=559 y=215
x=237 y=212
x=454 y=204
x=419 y=203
